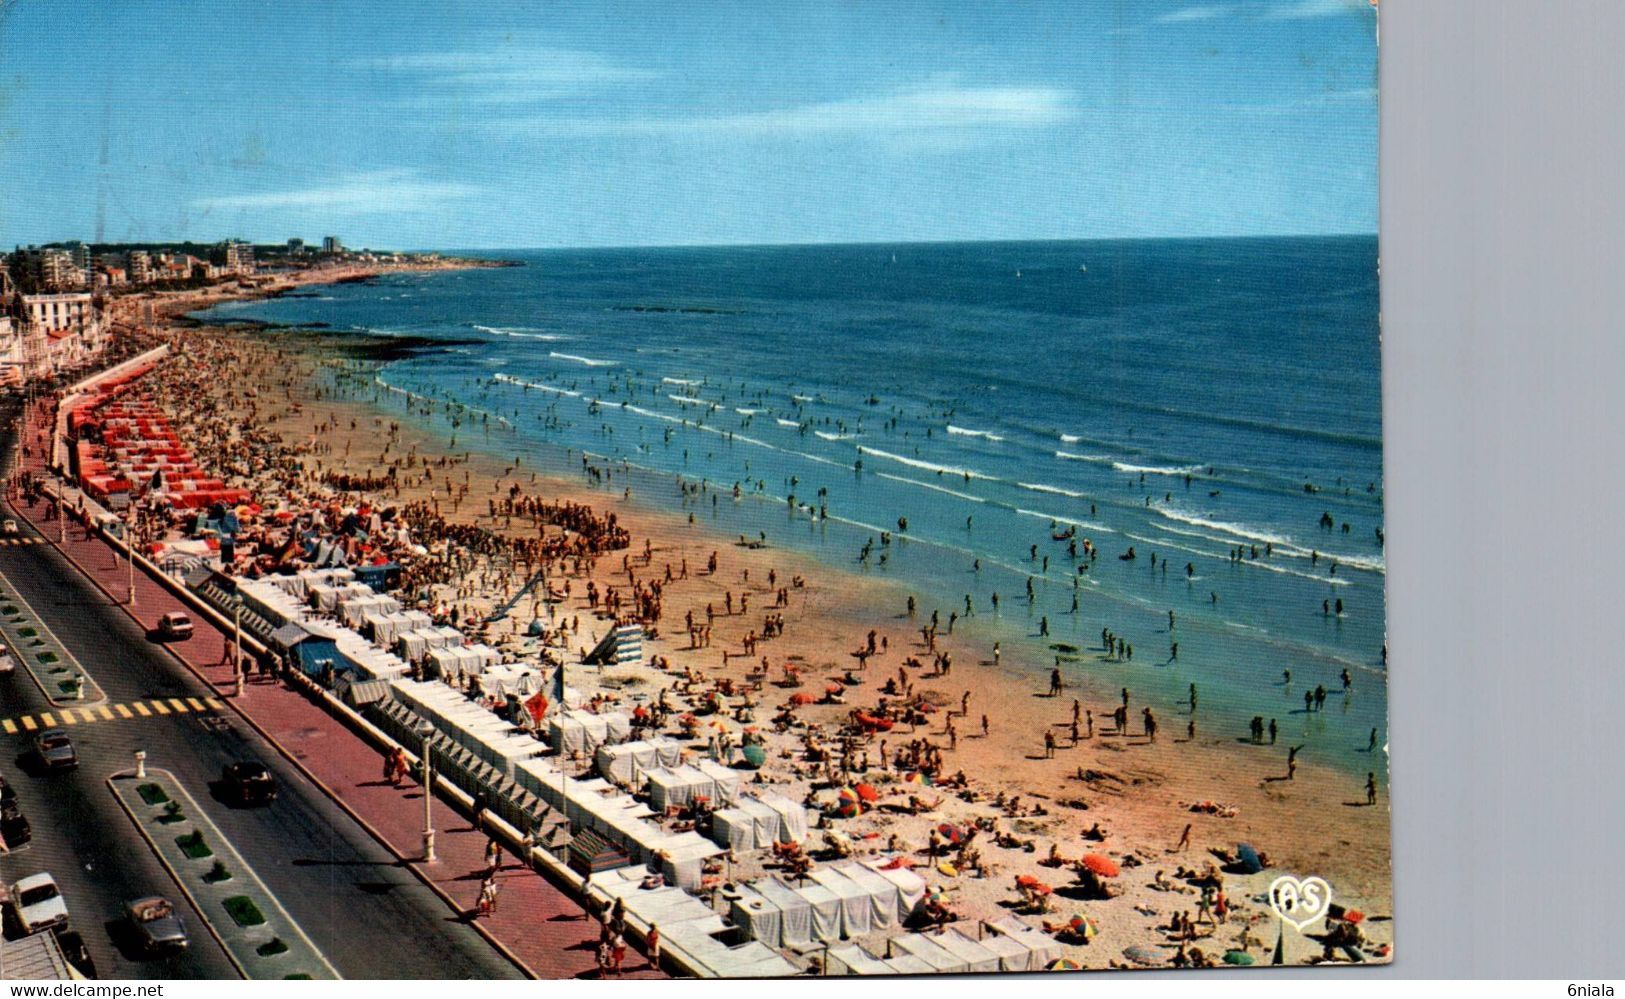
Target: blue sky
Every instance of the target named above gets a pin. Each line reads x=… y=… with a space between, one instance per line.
x=411 y=125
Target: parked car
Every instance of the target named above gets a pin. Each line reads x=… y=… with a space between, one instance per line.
x=37 y=903
x=158 y=927
x=7 y=664
x=8 y=527
x=55 y=750
x=14 y=826
x=74 y=949
x=175 y=626
x=248 y=783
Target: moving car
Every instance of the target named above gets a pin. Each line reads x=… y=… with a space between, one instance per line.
x=175 y=626
x=248 y=783
x=56 y=750
x=7 y=664
x=158 y=927
x=37 y=903
x=8 y=527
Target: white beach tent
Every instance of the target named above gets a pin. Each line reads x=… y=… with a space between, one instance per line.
x=907 y=964
x=826 y=911
x=749 y=825
x=857 y=905
x=792 y=817
x=626 y=763
x=977 y=958
x=757 y=917
x=928 y=950
x=886 y=907
x=677 y=787
x=910 y=886
x=725 y=779
x=1042 y=949
x=854 y=960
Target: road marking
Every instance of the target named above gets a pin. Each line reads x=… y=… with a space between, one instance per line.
x=196 y=704
x=178 y=705
x=106 y=714
x=213 y=703
x=10 y=726
x=157 y=706
x=46 y=719
x=28 y=723
x=123 y=711
x=67 y=717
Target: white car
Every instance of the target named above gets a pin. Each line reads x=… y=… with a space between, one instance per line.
x=8 y=526
x=7 y=664
x=38 y=903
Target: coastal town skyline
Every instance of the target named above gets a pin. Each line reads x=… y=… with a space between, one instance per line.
x=514 y=129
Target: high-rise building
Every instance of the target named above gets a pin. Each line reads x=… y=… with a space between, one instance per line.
x=234 y=256
x=331 y=244
x=139 y=265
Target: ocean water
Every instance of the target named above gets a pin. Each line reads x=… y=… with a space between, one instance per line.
x=1187 y=398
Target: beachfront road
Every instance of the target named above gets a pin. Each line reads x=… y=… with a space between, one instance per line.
x=368 y=915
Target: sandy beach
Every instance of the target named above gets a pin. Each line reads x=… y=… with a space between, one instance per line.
x=1114 y=793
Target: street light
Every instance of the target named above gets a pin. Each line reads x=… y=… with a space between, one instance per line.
x=426 y=730
x=237 y=647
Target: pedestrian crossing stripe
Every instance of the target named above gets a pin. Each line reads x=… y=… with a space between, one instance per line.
x=115 y=712
x=22 y=541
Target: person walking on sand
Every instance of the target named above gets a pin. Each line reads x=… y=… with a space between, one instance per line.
x=1370 y=788
x=1292 y=762
x=1150 y=724
x=1184 y=839
x=1273 y=730
x=1091 y=716
x=653 y=943
x=984 y=726
x=1049 y=745
x=1371 y=746
x=1055 y=683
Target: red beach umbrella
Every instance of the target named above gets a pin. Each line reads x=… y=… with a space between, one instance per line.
x=867 y=793
x=1101 y=865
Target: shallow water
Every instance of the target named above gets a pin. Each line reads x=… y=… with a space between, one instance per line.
x=1173 y=396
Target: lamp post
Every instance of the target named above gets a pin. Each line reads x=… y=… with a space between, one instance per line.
x=427 y=732
x=141 y=763
x=129 y=558
x=237 y=648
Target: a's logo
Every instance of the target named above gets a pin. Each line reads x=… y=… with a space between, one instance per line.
x=1300 y=902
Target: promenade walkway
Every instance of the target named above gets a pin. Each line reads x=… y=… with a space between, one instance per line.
x=540 y=926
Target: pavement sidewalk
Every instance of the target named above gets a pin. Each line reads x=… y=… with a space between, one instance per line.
x=541 y=926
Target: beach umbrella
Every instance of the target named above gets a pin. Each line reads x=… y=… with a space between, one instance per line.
x=1142 y=955
x=1026 y=881
x=1247 y=855
x=1101 y=865
x=802 y=698
x=1353 y=916
x=922 y=779
x=868 y=793
x=1084 y=927
x=755 y=754
x=951 y=832
x=847 y=803
x=833 y=688
x=1064 y=964
x=1240 y=957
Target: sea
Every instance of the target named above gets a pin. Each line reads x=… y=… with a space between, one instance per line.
x=959 y=418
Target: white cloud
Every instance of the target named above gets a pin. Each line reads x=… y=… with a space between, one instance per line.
x=508 y=75
x=1270 y=10
x=353 y=193
x=959 y=108
x=1194 y=14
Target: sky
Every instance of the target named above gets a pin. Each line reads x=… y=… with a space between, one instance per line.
x=427 y=125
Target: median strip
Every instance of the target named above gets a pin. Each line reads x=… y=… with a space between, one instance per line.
x=256 y=932
x=32 y=643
